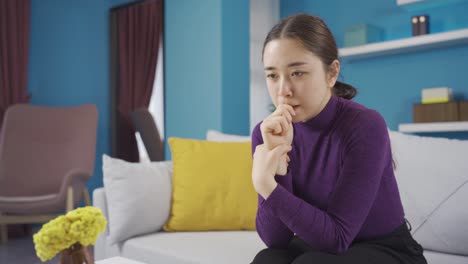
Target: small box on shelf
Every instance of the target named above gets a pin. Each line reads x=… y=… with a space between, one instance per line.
x=362 y=34
x=463 y=110
x=436 y=95
x=442 y=112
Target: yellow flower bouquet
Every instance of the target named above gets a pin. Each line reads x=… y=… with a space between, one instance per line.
x=78 y=228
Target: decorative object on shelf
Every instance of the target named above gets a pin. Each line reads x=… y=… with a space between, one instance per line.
x=436 y=95
x=420 y=25
x=415 y=25
x=442 y=112
x=424 y=25
x=70 y=234
x=361 y=34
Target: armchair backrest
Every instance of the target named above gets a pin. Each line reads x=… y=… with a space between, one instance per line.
x=40 y=145
x=145 y=125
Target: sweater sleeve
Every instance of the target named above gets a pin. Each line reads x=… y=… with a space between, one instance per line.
x=365 y=156
x=273 y=232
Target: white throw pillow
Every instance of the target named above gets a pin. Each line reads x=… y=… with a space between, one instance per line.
x=213 y=135
x=432 y=175
x=138 y=196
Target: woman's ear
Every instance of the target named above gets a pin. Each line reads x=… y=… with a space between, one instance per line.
x=333 y=73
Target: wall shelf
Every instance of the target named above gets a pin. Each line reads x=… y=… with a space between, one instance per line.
x=417 y=43
x=434 y=127
x=406 y=2
x=415 y=5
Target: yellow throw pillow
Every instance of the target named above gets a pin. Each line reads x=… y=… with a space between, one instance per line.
x=212 y=186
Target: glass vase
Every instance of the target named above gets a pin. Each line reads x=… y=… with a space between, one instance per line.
x=76 y=254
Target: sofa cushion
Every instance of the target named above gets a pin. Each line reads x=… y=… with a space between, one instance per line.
x=227 y=247
x=432 y=175
x=446 y=230
x=212 y=186
x=138 y=196
x=433 y=257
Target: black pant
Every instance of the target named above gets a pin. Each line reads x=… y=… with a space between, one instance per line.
x=399 y=247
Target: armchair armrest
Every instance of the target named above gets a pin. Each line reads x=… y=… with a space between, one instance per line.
x=76 y=178
x=51 y=202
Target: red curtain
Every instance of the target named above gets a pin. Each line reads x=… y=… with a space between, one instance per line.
x=139 y=29
x=14 y=50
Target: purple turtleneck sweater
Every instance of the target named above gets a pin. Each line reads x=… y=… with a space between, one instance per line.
x=340 y=186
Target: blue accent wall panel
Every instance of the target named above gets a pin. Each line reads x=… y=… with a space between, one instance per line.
x=236 y=67
x=193 y=68
x=206 y=68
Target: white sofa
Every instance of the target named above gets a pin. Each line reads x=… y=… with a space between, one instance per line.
x=180 y=247
x=432 y=174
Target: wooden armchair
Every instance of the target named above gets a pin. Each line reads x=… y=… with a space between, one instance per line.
x=46 y=158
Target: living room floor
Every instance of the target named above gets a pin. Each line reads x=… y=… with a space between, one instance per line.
x=21 y=251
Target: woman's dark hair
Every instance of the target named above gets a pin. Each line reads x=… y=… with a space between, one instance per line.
x=315 y=36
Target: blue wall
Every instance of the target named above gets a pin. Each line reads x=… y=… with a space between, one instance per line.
x=69 y=61
x=206 y=67
x=392 y=84
x=236 y=67
x=192 y=72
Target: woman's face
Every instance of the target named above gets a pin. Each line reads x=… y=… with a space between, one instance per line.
x=295 y=76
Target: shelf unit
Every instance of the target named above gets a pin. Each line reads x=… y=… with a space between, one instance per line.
x=434 y=127
x=417 y=43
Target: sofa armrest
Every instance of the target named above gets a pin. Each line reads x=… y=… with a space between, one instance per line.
x=99 y=201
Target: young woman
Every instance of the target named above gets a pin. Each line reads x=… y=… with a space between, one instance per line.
x=338 y=201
